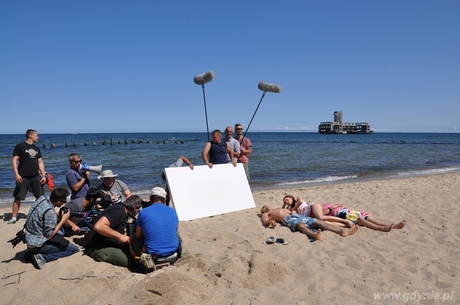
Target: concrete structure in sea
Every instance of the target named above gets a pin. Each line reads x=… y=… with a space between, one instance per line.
x=340 y=127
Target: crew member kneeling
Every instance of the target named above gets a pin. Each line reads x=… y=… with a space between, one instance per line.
x=108 y=242
x=157 y=228
x=44 y=241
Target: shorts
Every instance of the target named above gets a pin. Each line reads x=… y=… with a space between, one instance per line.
x=28 y=183
x=351 y=215
x=291 y=221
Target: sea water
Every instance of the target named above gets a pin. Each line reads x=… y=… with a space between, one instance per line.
x=279 y=159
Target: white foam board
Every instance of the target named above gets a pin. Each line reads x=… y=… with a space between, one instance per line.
x=205 y=191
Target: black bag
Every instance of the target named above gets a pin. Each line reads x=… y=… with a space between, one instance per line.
x=58 y=240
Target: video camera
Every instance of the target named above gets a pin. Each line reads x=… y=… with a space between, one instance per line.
x=90 y=216
x=65 y=209
x=105 y=201
x=20 y=236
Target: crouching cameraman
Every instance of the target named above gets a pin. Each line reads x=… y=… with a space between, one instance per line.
x=43 y=239
x=108 y=241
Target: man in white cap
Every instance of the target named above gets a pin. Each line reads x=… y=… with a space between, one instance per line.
x=157 y=228
x=113 y=187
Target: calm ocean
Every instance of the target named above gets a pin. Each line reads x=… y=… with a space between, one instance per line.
x=279 y=159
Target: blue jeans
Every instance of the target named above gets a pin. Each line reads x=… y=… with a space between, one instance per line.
x=51 y=253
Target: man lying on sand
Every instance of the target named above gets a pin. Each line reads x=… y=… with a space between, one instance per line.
x=306 y=225
x=329 y=211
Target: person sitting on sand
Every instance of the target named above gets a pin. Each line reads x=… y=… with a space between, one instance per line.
x=306 y=225
x=113 y=187
x=43 y=236
x=156 y=228
x=329 y=211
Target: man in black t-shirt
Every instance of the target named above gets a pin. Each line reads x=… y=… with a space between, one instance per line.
x=29 y=171
x=109 y=242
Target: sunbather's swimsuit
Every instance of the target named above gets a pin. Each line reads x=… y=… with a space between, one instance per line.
x=327 y=208
x=291 y=221
x=304 y=209
x=351 y=215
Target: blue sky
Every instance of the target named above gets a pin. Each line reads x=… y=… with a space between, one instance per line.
x=128 y=66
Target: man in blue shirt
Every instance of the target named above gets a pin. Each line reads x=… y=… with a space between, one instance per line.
x=77 y=179
x=157 y=228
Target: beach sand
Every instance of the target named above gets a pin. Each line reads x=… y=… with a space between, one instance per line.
x=227 y=261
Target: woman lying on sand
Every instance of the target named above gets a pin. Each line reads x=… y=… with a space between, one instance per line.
x=328 y=212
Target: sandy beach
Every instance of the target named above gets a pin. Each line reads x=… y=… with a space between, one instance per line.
x=227 y=260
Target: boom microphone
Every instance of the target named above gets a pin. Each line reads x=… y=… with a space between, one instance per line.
x=204 y=78
x=267 y=87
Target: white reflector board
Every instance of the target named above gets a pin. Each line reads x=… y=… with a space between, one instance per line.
x=205 y=191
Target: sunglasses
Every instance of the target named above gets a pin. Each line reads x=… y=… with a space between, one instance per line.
x=77 y=161
x=239 y=129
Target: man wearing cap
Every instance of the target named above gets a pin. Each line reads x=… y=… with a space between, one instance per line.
x=157 y=228
x=108 y=242
x=115 y=188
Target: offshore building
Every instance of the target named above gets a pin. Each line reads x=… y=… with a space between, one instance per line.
x=340 y=127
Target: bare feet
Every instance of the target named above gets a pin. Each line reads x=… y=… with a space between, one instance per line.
x=318 y=235
x=348 y=232
x=400 y=225
x=350 y=223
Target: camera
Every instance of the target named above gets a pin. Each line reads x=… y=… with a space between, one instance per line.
x=20 y=236
x=131 y=227
x=105 y=201
x=63 y=210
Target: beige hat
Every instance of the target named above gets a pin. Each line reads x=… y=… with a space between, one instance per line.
x=107 y=174
x=158 y=191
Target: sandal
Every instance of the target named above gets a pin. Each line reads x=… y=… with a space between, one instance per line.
x=270 y=240
x=281 y=241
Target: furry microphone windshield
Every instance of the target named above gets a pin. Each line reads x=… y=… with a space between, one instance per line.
x=204 y=78
x=267 y=87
